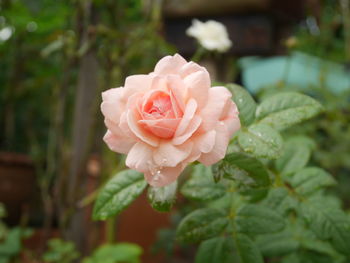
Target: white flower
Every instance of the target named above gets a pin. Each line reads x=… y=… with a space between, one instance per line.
x=5 y=33
x=212 y=35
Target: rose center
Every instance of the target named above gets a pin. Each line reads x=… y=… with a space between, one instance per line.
x=159 y=106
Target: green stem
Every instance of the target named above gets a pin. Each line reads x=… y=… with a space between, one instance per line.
x=198 y=54
x=110 y=230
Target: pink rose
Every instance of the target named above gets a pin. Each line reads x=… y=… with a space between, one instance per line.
x=169 y=118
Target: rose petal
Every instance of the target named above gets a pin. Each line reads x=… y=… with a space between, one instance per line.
x=198 y=85
x=169 y=155
x=190 y=68
x=190 y=130
x=212 y=111
x=169 y=65
x=143 y=135
x=178 y=90
x=116 y=143
x=112 y=106
x=137 y=83
x=206 y=141
x=190 y=110
x=219 y=150
x=163 y=128
x=165 y=176
x=139 y=157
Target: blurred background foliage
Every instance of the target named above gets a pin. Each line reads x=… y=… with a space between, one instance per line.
x=49 y=49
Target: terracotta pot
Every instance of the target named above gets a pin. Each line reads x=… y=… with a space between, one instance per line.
x=139 y=224
x=17 y=182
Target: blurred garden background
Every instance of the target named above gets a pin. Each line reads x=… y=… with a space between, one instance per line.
x=56 y=57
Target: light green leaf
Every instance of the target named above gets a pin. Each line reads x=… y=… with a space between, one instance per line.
x=257 y=219
x=162 y=198
x=246 y=250
x=245 y=104
x=202 y=224
x=261 y=140
x=286 y=109
x=310 y=179
x=201 y=185
x=218 y=249
x=296 y=154
x=113 y=253
x=118 y=193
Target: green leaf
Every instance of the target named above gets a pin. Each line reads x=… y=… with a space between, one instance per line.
x=277 y=244
x=218 y=249
x=286 y=109
x=202 y=224
x=201 y=185
x=12 y=244
x=328 y=223
x=257 y=219
x=239 y=166
x=261 y=140
x=280 y=201
x=162 y=198
x=296 y=154
x=246 y=250
x=118 y=193
x=245 y=104
x=112 y=253
x=310 y=179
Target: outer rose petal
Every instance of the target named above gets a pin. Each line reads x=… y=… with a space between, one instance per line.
x=166 y=176
x=169 y=65
x=231 y=120
x=112 y=106
x=219 y=150
x=137 y=83
x=215 y=106
x=168 y=155
x=198 y=85
x=118 y=143
x=139 y=157
x=190 y=68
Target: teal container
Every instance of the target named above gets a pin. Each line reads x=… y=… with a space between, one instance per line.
x=298 y=69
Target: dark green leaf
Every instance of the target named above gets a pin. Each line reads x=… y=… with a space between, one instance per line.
x=218 y=249
x=257 y=219
x=328 y=223
x=246 y=250
x=202 y=224
x=280 y=201
x=118 y=193
x=201 y=185
x=277 y=244
x=310 y=179
x=239 y=166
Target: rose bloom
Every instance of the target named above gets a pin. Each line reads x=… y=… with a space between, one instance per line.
x=168 y=119
x=211 y=35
